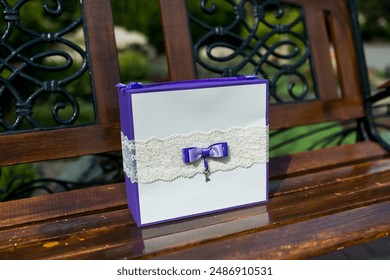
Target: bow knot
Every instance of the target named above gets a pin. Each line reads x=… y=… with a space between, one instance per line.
x=205 y=153
x=193 y=154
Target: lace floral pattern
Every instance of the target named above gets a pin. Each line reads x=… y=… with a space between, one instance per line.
x=161 y=159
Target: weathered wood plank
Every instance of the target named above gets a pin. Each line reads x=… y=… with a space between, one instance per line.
x=62 y=205
x=61 y=143
x=324 y=159
x=326 y=177
x=178 y=48
x=118 y=238
x=62 y=228
x=104 y=57
x=298 y=240
x=40 y=208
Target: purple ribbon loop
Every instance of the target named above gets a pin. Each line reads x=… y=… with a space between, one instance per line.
x=216 y=150
x=132 y=85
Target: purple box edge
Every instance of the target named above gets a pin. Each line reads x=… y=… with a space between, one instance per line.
x=133 y=200
x=127 y=128
x=192 y=84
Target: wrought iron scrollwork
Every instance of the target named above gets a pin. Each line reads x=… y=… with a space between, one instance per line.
x=378 y=110
x=38 y=67
x=58 y=8
x=265 y=38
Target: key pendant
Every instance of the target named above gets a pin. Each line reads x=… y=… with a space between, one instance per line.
x=207 y=173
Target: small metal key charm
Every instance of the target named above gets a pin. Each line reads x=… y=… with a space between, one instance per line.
x=207 y=173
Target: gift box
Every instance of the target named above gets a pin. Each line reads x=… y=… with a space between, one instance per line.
x=194 y=147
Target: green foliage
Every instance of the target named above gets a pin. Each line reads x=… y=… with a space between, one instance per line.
x=134 y=66
x=44 y=105
x=221 y=15
x=140 y=15
x=39 y=16
x=11 y=176
x=290 y=14
x=33 y=16
x=308 y=137
x=375 y=19
x=137 y=15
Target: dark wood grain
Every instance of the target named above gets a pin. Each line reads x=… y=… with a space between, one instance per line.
x=178 y=41
x=104 y=57
x=60 y=143
x=115 y=195
x=113 y=234
x=41 y=208
x=299 y=240
x=317 y=160
x=317 y=30
x=63 y=227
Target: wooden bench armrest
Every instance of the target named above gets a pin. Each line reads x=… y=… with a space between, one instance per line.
x=384 y=91
x=385 y=85
x=382 y=94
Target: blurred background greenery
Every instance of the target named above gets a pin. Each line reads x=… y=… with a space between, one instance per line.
x=375 y=19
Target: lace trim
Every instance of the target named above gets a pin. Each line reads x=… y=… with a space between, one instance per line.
x=161 y=159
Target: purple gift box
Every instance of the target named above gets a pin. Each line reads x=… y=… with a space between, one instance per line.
x=194 y=147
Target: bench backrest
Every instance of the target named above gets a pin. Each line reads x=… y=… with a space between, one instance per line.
x=27 y=84
x=309 y=50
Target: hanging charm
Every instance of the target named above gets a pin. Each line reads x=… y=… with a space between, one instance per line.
x=193 y=154
x=207 y=174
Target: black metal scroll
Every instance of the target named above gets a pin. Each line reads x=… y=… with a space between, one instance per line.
x=265 y=38
x=41 y=67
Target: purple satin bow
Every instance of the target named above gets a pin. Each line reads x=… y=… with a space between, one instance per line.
x=216 y=150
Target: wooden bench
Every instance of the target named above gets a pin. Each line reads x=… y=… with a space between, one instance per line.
x=320 y=201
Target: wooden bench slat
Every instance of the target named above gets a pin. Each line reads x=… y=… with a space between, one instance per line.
x=89 y=244
x=326 y=177
x=117 y=240
x=63 y=228
x=335 y=197
x=39 y=208
x=51 y=144
x=299 y=240
x=311 y=161
x=341 y=35
x=104 y=54
x=120 y=243
x=179 y=51
x=313 y=112
x=317 y=30
x=61 y=205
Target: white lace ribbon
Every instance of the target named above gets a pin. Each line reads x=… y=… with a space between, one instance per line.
x=161 y=159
